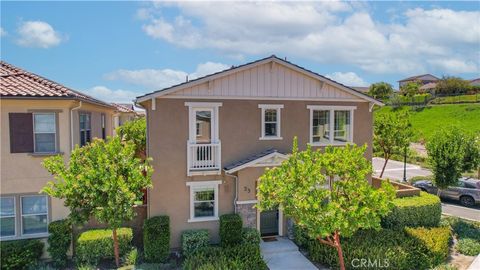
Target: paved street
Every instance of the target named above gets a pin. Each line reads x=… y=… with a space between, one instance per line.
x=394 y=171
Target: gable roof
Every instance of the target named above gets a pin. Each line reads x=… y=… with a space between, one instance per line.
x=255 y=159
x=418 y=76
x=269 y=59
x=18 y=83
x=124 y=108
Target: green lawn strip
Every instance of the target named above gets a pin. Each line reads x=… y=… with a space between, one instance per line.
x=467 y=234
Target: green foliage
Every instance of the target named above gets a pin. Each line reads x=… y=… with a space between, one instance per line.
x=392 y=134
x=156 y=239
x=380 y=90
x=131 y=258
x=238 y=257
x=468 y=246
x=418 y=248
x=20 y=254
x=452 y=85
x=449 y=157
x=467 y=233
x=194 y=240
x=230 y=229
x=59 y=239
x=135 y=131
x=410 y=89
x=250 y=236
x=424 y=210
x=94 y=245
x=415 y=179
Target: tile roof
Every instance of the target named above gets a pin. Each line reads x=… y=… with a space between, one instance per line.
x=428 y=86
x=18 y=83
x=417 y=76
x=251 y=158
x=126 y=108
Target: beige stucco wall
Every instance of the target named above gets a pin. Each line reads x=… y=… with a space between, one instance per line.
x=23 y=173
x=239 y=132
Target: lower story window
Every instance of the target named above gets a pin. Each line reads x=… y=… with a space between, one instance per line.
x=203 y=200
x=7 y=220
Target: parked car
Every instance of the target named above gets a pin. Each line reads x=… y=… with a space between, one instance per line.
x=467 y=190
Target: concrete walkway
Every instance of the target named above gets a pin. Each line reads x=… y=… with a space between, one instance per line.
x=283 y=254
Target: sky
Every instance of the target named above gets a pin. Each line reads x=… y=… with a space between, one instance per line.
x=116 y=51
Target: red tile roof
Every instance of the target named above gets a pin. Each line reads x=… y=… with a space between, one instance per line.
x=18 y=83
x=126 y=108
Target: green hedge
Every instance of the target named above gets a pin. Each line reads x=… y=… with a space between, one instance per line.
x=467 y=233
x=94 y=245
x=59 y=241
x=418 y=211
x=156 y=239
x=20 y=254
x=412 y=248
x=194 y=240
x=230 y=229
x=238 y=257
x=250 y=236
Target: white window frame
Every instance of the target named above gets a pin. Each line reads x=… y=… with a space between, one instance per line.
x=55 y=131
x=202 y=185
x=331 y=124
x=193 y=107
x=278 y=108
x=26 y=215
x=14 y=219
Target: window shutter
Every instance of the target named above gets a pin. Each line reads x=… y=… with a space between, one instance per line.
x=21 y=132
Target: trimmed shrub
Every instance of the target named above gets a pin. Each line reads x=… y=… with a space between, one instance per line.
x=250 y=236
x=131 y=258
x=239 y=257
x=20 y=254
x=94 y=245
x=468 y=246
x=194 y=240
x=300 y=236
x=230 y=229
x=392 y=249
x=467 y=233
x=59 y=241
x=418 y=211
x=156 y=239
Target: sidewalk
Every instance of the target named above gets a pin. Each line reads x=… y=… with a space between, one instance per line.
x=283 y=254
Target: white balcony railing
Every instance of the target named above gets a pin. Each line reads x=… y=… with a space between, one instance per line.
x=203 y=158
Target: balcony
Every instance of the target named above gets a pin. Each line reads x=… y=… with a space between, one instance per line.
x=203 y=158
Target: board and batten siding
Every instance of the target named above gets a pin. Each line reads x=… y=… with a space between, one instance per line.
x=266 y=81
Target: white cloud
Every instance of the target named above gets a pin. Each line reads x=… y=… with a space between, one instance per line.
x=161 y=78
x=347 y=78
x=38 y=34
x=2 y=32
x=108 y=95
x=418 y=40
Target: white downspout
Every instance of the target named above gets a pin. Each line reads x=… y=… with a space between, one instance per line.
x=71 y=125
x=236 y=191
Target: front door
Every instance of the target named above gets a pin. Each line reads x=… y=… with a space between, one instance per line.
x=269 y=222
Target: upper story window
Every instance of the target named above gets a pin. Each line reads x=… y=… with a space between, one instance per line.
x=85 y=128
x=33 y=132
x=203 y=122
x=44 y=132
x=271 y=121
x=331 y=124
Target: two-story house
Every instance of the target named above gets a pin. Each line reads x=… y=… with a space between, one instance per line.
x=423 y=79
x=212 y=138
x=39 y=118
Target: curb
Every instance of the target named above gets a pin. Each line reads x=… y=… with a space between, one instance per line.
x=475 y=264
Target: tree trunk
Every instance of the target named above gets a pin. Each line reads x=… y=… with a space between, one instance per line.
x=338 y=246
x=115 y=247
x=384 y=166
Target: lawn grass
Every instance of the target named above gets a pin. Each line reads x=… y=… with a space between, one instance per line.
x=457 y=99
x=425 y=121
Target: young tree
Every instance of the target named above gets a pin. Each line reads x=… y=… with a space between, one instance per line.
x=452 y=85
x=451 y=152
x=135 y=131
x=380 y=90
x=392 y=133
x=327 y=193
x=410 y=89
x=102 y=180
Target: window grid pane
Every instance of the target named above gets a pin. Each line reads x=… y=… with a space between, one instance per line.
x=204 y=202
x=34 y=211
x=44 y=122
x=321 y=126
x=7 y=226
x=7 y=207
x=342 y=126
x=270 y=122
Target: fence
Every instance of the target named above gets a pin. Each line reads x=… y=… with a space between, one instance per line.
x=425 y=99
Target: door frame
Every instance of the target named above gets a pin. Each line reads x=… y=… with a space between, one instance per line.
x=280 y=222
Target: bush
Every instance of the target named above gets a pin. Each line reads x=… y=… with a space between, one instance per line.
x=250 y=236
x=418 y=211
x=59 y=241
x=238 y=257
x=131 y=258
x=20 y=254
x=94 y=245
x=193 y=240
x=300 y=236
x=156 y=239
x=230 y=229
x=468 y=246
x=397 y=248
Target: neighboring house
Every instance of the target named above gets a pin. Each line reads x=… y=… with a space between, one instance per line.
x=124 y=113
x=428 y=88
x=421 y=79
x=212 y=138
x=39 y=118
x=362 y=89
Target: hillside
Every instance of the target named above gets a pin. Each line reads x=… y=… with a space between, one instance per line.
x=426 y=120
